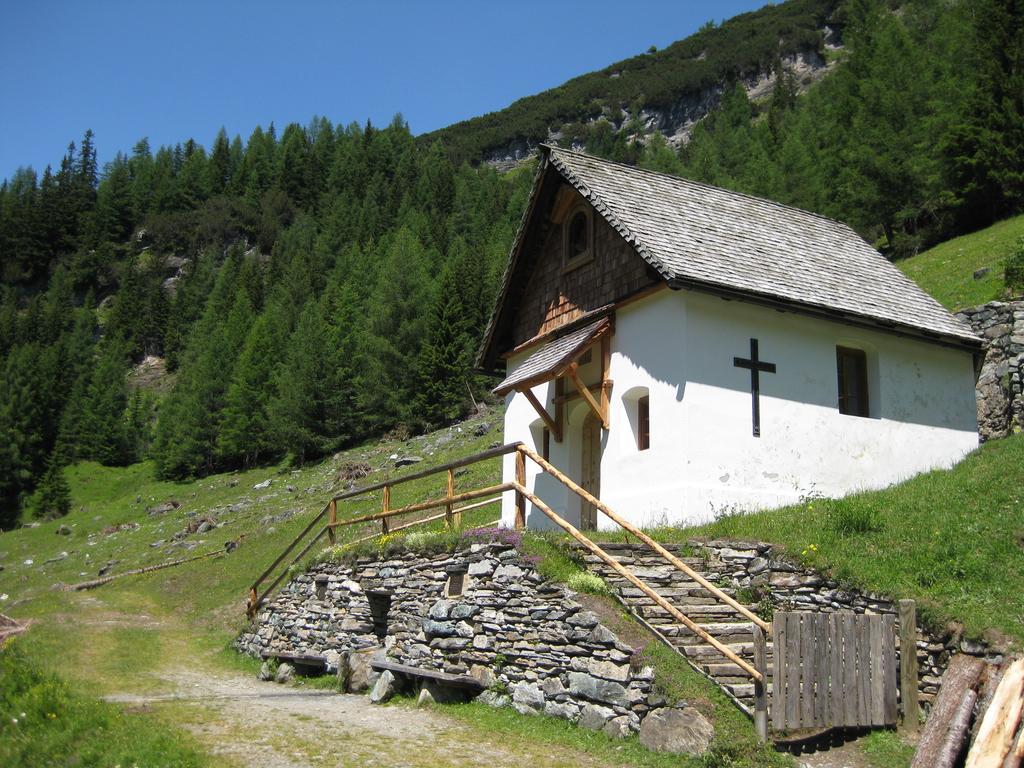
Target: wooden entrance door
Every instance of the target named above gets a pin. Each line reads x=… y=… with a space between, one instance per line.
x=590 y=474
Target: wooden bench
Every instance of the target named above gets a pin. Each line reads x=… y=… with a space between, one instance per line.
x=464 y=683
x=305 y=664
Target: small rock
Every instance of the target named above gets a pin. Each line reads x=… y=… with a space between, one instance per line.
x=980 y=273
x=261 y=486
x=63 y=530
x=425 y=699
x=164 y=508
x=285 y=672
x=481 y=429
x=290 y=488
x=404 y=461
x=384 y=688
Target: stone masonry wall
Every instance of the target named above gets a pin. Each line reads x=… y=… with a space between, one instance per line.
x=1001 y=382
x=510 y=628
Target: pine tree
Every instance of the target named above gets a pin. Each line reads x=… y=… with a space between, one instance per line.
x=442 y=364
x=52 y=497
x=396 y=320
x=102 y=432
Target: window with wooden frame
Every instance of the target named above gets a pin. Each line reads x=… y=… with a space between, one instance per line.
x=643 y=423
x=578 y=246
x=545 y=449
x=852 y=375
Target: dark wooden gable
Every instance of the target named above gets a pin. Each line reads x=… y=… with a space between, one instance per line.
x=542 y=293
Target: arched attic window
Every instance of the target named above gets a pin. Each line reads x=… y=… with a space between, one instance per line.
x=579 y=237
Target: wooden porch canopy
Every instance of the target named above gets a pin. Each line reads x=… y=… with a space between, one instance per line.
x=558 y=359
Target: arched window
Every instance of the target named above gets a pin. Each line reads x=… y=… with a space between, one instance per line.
x=638 y=408
x=578 y=237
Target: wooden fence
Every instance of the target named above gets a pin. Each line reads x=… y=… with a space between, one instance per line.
x=833 y=670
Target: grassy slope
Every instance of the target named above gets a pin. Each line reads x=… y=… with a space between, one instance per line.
x=44 y=721
x=952 y=539
x=187 y=616
x=947 y=270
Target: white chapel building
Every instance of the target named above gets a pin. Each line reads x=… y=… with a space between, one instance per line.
x=682 y=351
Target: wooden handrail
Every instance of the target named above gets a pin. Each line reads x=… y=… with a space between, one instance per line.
x=425 y=505
x=482 y=456
x=640 y=584
x=626 y=525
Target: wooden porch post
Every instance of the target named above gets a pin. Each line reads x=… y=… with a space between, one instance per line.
x=332 y=518
x=908 y=665
x=520 y=522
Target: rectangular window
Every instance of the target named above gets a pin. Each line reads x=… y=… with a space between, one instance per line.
x=643 y=423
x=852 y=372
x=546 y=447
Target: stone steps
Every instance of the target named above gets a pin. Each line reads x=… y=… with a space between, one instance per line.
x=719 y=620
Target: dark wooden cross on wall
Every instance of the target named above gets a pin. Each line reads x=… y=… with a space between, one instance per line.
x=756 y=367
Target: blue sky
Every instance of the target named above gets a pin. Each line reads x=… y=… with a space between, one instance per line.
x=170 y=71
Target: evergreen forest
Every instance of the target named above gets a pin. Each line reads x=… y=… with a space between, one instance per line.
x=304 y=289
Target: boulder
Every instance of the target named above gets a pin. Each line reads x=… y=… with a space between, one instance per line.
x=285 y=672
x=617 y=727
x=385 y=687
x=605 y=691
x=527 y=698
x=265 y=674
x=494 y=699
x=405 y=461
x=593 y=717
x=679 y=731
x=359 y=670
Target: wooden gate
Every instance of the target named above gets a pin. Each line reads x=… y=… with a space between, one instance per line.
x=833 y=670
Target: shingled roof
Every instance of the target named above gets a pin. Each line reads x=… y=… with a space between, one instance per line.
x=706 y=238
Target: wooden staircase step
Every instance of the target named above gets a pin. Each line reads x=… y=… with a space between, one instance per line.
x=743 y=650
x=726 y=670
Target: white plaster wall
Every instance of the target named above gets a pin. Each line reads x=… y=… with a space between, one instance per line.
x=703 y=459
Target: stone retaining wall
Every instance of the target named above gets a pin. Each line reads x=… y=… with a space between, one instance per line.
x=789 y=587
x=527 y=640
x=1001 y=382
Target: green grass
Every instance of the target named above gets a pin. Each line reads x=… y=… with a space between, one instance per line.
x=44 y=721
x=952 y=539
x=885 y=749
x=947 y=270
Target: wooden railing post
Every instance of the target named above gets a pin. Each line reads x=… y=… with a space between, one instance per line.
x=520 y=521
x=761 y=686
x=449 y=516
x=384 y=507
x=332 y=518
x=908 y=664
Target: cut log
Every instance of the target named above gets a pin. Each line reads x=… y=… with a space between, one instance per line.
x=1016 y=757
x=962 y=675
x=956 y=736
x=999 y=726
x=93 y=583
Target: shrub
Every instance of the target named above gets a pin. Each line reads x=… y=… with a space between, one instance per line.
x=589 y=583
x=1013 y=271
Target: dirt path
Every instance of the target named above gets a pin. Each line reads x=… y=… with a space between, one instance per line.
x=253 y=723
